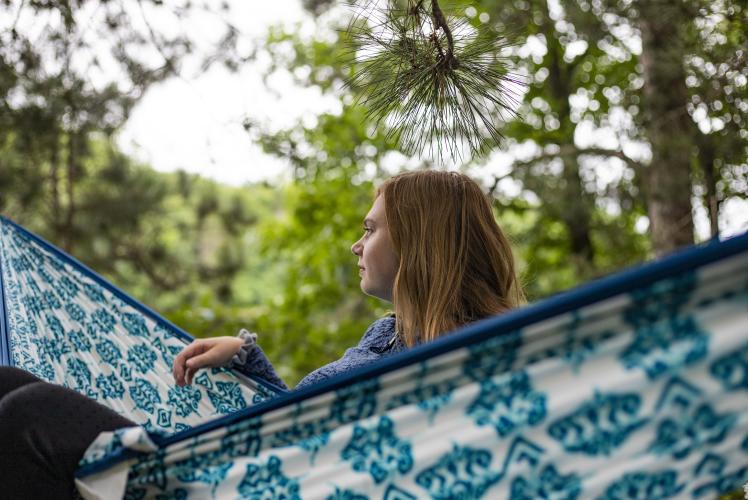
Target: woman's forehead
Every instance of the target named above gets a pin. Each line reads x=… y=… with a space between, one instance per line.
x=376 y=212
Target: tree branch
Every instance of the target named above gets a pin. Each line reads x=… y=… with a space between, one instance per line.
x=168 y=63
x=441 y=22
x=136 y=256
x=18 y=16
x=573 y=151
x=496 y=180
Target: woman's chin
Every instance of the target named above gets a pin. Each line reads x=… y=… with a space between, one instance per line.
x=368 y=290
x=376 y=294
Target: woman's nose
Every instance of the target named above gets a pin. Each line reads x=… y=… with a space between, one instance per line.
x=356 y=248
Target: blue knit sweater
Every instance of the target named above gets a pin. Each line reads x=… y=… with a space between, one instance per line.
x=375 y=344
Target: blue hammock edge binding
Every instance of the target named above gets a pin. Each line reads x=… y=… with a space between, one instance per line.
x=5 y=358
x=116 y=291
x=603 y=288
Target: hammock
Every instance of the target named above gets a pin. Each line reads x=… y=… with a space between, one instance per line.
x=635 y=386
x=67 y=325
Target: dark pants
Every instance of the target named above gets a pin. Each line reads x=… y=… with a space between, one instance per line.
x=44 y=430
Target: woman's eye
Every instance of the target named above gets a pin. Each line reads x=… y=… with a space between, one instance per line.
x=367 y=230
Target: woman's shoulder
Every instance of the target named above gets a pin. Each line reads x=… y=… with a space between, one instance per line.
x=379 y=331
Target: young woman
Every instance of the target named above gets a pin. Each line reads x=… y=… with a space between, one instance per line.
x=430 y=246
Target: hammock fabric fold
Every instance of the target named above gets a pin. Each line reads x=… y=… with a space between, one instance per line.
x=635 y=386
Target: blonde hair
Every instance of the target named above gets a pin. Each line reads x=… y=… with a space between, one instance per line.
x=456 y=265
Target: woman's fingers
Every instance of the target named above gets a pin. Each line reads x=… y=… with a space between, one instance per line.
x=208 y=358
x=189 y=375
x=180 y=361
x=177 y=368
x=203 y=353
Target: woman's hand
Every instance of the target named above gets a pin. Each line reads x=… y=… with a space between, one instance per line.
x=204 y=353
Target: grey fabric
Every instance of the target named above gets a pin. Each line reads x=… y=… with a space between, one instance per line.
x=250 y=339
x=375 y=344
x=44 y=430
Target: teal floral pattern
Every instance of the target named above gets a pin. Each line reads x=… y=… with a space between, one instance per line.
x=508 y=405
x=684 y=423
x=377 y=450
x=599 y=425
x=691 y=431
x=311 y=437
x=109 y=352
x=141 y=358
x=547 y=482
x=428 y=397
x=346 y=495
x=268 y=481
x=493 y=357
x=80 y=373
x=732 y=370
x=196 y=470
x=665 y=338
x=461 y=473
x=184 y=400
x=109 y=386
x=644 y=486
x=145 y=395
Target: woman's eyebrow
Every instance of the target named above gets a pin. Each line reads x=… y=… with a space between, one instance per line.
x=368 y=221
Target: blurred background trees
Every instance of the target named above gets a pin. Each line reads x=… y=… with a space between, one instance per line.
x=633 y=120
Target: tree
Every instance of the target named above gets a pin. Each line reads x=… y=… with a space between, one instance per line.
x=716 y=75
x=669 y=129
x=682 y=44
x=631 y=62
x=58 y=96
x=70 y=73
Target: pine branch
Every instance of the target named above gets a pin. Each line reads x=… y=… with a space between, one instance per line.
x=437 y=83
x=441 y=22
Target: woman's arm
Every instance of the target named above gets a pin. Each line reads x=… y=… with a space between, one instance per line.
x=213 y=352
x=248 y=357
x=251 y=360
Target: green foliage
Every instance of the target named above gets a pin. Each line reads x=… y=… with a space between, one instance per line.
x=320 y=309
x=177 y=242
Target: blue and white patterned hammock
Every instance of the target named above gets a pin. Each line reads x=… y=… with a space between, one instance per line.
x=635 y=386
x=65 y=324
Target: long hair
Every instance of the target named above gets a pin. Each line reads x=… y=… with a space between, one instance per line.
x=456 y=265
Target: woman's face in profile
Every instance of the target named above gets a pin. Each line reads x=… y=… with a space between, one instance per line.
x=377 y=261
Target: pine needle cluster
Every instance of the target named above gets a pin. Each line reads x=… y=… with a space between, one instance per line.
x=439 y=83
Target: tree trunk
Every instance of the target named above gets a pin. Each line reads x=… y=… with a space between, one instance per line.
x=668 y=126
x=577 y=216
x=54 y=186
x=707 y=155
x=72 y=170
x=575 y=212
